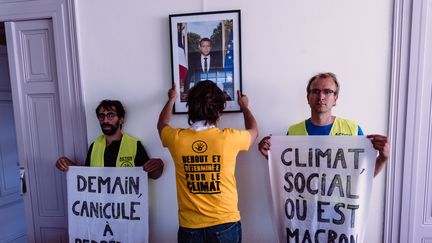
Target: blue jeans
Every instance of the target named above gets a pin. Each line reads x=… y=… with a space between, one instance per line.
x=221 y=233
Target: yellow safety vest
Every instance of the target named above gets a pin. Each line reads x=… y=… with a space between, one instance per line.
x=126 y=154
x=340 y=127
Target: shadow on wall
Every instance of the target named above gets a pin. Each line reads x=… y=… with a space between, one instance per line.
x=253 y=182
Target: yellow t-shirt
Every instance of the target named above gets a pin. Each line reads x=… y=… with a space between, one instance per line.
x=205 y=164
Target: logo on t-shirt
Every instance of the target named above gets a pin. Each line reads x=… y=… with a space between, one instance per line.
x=199 y=146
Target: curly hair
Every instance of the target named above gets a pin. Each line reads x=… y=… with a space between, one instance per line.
x=112 y=105
x=205 y=102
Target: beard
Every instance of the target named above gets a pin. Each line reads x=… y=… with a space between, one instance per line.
x=109 y=129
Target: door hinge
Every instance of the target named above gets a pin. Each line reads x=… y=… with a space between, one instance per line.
x=23 y=181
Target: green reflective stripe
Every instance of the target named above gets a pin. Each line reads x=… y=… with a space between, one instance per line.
x=340 y=127
x=126 y=155
x=298 y=129
x=344 y=127
x=98 y=150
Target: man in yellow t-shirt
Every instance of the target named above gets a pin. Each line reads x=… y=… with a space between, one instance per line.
x=205 y=159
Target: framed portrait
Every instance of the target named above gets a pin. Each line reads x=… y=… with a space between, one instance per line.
x=206 y=46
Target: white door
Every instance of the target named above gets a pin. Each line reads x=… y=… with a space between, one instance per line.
x=34 y=82
x=12 y=219
x=416 y=214
x=418 y=198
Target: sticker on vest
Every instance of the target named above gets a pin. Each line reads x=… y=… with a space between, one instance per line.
x=126 y=161
x=342 y=134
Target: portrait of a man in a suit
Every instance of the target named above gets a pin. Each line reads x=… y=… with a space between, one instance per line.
x=206 y=47
x=204 y=64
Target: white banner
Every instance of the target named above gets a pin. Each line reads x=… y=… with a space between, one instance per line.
x=321 y=187
x=107 y=205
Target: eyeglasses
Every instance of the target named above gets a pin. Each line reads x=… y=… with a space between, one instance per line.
x=326 y=92
x=109 y=116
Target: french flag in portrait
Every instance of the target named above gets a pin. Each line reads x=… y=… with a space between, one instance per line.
x=183 y=67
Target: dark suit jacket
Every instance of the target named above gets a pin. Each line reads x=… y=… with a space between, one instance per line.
x=195 y=72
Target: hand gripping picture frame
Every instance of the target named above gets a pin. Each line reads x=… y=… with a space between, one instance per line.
x=206 y=46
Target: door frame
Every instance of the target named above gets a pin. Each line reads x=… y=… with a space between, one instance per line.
x=74 y=130
x=407 y=68
x=397 y=119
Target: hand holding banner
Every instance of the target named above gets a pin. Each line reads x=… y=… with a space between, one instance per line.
x=107 y=204
x=321 y=187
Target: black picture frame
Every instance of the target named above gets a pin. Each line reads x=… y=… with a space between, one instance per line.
x=198 y=37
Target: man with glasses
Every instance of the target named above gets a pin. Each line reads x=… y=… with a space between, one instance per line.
x=322 y=94
x=114 y=148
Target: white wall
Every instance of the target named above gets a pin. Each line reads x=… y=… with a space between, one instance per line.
x=124 y=54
